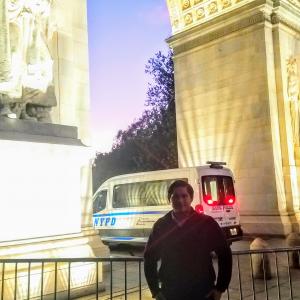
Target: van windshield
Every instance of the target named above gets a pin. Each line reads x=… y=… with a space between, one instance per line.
x=99 y=202
x=218 y=190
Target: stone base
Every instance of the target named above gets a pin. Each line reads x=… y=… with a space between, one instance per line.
x=270 y=225
x=32 y=131
x=45 y=209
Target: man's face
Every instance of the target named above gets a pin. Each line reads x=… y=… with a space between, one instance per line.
x=181 y=200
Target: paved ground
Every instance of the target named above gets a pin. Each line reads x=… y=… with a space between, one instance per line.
x=284 y=286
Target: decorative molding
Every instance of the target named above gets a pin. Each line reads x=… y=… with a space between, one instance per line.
x=188 y=13
x=186 y=4
x=225 y=3
x=293 y=91
x=188 y=19
x=200 y=13
x=175 y=14
x=221 y=32
x=277 y=18
x=212 y=7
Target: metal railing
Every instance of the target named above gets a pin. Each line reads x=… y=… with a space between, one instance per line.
x=265 y=274
x=262 y=274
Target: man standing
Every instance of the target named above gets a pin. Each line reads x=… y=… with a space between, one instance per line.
x=183 y=241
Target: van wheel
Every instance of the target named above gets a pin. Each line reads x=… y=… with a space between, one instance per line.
x=112 y=247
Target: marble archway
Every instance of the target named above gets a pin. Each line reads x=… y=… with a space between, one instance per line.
x=237 y=100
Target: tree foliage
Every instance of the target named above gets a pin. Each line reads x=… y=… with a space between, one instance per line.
x=149 y=143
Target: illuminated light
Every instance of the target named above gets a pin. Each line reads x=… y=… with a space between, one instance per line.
x=12 y=116
x=208 y=200
x=29 y=212
x=229 y=200
x=5 y=111
x=199 y=209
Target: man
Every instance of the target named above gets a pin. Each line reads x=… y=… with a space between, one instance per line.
x=183 y=241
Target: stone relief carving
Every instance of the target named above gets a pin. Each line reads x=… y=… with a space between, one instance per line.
x=26 y=65
x=294 y=99
x=190 y=13
x=186 y=4
x=174 y=10
x=225 y=3
x=203 y=10
x=212 y=7
x=200 y=13
x=188 y=19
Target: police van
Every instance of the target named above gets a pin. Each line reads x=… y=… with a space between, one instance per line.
x=125 y=207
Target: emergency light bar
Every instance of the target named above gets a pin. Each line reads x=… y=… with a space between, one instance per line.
x=216 y=164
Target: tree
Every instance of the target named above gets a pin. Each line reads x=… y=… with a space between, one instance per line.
x=150 y=142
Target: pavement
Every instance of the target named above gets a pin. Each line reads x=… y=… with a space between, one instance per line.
x=285 y=286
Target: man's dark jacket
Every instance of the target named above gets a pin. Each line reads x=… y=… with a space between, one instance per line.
x=186 y=270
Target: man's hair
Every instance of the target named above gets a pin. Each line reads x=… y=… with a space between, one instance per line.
x=180 y=183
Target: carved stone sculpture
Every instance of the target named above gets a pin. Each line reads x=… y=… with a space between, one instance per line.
x=293 y=94
x=26 y=66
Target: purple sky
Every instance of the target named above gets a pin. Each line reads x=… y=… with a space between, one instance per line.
x=123 y=35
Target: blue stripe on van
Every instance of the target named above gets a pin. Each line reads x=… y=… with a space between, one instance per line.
x=127 y=213
x=122 y=238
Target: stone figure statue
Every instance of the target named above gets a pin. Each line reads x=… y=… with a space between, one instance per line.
x=294 y=99
x=26 y=66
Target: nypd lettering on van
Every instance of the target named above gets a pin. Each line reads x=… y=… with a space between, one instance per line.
x=104 y=221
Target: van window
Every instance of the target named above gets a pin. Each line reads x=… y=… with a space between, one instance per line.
x=128 y=195
x=210 y=188
x=156 y=193
x=227 y=184
x=217 y=188
x=138 y=194
x=99 y=201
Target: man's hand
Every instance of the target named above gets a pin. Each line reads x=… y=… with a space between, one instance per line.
x=214 y=295
x=160 y=296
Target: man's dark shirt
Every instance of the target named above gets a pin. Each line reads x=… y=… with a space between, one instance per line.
x=185 y=254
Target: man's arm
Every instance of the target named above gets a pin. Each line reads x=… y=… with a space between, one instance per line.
x=220 y=246
x=151 y=257
x=225 y=267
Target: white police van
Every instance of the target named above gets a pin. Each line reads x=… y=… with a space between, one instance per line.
x=125 y=207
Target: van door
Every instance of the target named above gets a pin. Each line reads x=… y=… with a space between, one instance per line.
x=156 y=203
x=231 y=213
x=127 y=208
x=219 y=199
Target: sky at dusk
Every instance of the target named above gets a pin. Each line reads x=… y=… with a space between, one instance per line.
x=123 y=35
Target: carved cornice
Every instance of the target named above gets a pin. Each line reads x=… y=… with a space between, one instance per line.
x=256 y=18
x=185 y=14
x=278 y=18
